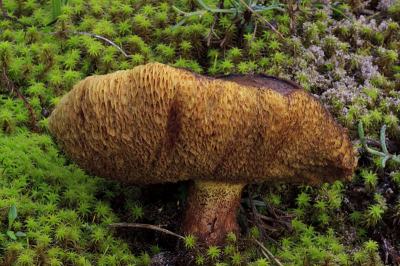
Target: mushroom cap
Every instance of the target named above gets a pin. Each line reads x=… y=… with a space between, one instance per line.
x=158 y=123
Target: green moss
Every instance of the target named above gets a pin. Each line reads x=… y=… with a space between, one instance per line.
x=42 y=199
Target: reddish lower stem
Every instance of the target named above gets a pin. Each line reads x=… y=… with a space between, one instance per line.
x=211 y=210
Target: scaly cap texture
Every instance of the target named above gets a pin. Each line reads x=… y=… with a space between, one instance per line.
x=157 y=123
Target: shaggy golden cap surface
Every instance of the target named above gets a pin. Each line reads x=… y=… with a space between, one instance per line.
x=157 y=123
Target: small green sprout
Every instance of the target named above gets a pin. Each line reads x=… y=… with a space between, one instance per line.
x=200 y=260
x=303 y=200
x=102 y=209
x=373 y=215
x=186 y=46
x=370 y=180
x=254 y=232
x=298 y=225
x=226 y=66
x=396 y=178
x=145 y=259
x=371 y=246
x=261 y=262
x=161 y=17
x=155 y=249
x=274 y=45
x=385 y=154
x=375 y=115
x=26 y=257
x=323 y=219
x=306 y=240
x=124 y=27
x=320 y=205
x=278 y=58
x=284 y=19
x=137 y=59
x=355 y=216
x=391 y=121
x=336 y=10
x=229 y=249
x=302 y=77
x=379 y=38
x=137 y=212
x=359 y=256
x=231 y=237
x=225 y=22
x=235 y=54
x=98 y=234
x=213 y=252
x=243 y=68
x=55 y=262
x=95 y=49
x=31 y=224
x=336 y=247
x=190 y=242
x=126 y=9
x=148 y=10
x=237 y=259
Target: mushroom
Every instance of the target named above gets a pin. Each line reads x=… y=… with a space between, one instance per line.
x=158 y=123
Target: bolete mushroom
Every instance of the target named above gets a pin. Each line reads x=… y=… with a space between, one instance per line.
x=158 y=123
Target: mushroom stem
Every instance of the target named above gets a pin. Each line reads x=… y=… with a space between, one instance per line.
x=211 y=210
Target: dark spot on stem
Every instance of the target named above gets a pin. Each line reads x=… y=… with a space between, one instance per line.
x=213 y=225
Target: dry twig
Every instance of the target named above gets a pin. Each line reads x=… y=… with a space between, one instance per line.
x=5 y=207
x=228 y=29
x=286 y=224
x=208 y=36
x=13 y=88
x=145 y=226
x=257 y=222
x=263 y=19
x=254 y=35
x=274 y=209
x=269 y=253
x=5 y=15
x=90 y=34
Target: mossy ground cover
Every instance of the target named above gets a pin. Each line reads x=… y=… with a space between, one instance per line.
x=346 y=53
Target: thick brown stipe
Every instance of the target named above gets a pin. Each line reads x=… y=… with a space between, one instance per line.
x=209 y=216
x=157 y=123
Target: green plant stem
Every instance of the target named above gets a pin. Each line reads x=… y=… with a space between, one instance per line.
x=56 y=5
x=252 y=37
x=5 y=207
x=263 y=19
x=383 y=141
x=385 y=154
x=336 y=10
x=180 y=23
x=186 y=14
